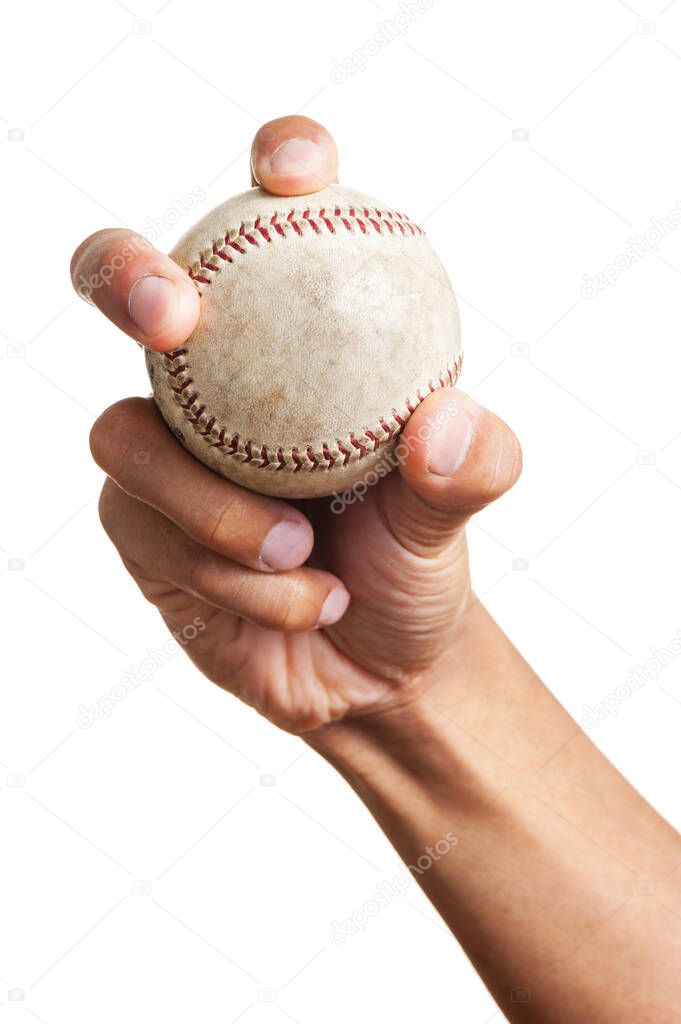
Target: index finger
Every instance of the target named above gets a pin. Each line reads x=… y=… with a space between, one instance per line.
x=141 y=290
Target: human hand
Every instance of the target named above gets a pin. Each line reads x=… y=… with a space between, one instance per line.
x=314 y=611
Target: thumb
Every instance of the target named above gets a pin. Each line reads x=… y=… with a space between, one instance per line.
x=455 y=458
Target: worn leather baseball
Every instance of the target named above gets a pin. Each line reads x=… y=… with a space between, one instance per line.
x=325 y=320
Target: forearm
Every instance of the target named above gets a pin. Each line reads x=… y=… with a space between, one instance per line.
x=548 y=885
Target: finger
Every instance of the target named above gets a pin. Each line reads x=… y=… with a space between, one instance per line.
x=141 y=290
x=292 y=156
x=134 y=447
x=455 y=457
x=301 y=599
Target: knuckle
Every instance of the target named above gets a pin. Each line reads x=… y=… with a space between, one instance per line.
x=293 y=607
x=116 y=435
x=216 y=580
x=225 y=520
x=204 y=578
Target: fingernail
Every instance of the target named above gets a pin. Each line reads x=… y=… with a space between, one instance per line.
x=287 y=545
x=449 y=443
x=334 y=607
x=297 y=156
x=151 y=302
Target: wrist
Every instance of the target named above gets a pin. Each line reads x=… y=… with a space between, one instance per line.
x=479 y=718
x=427 y=747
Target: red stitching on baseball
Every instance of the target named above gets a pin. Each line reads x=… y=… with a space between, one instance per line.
x=325 y=459
x=350 y=220
x=361 y=448
x=313 y=459
x=344 y=452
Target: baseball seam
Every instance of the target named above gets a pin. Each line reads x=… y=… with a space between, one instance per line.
x=325 y=455
x=298 y=222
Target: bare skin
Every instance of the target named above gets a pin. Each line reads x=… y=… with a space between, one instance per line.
x=361 y=632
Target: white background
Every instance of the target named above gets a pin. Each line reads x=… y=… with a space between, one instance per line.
x=146 y=873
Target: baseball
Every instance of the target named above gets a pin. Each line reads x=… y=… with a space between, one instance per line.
x=325 y=320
